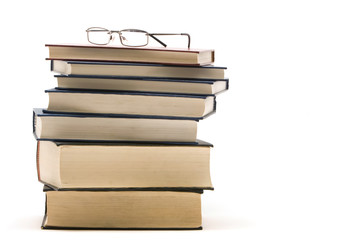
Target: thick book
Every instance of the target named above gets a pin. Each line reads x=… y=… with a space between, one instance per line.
x=128 y=210
x=137 y=69
x=130 y=103
x=108 y=127
x=143 y=84
x=87 y=52
x=98 y=165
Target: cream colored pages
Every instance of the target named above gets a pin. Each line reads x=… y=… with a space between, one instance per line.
x=123 y=209
x=135 y=166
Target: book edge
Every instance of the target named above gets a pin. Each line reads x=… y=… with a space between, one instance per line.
x=189 y=50
x=109 y=229
x=133 y=93
x=200 y=190
x=141 y=78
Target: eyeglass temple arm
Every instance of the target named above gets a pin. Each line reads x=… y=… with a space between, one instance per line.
x=183 y=34
x=158 y=40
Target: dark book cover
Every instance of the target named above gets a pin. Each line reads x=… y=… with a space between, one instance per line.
x=114 y=229
x=160 y=79
x=46 y=113
x=158 y=94
x=199 y=143
x=49 y=187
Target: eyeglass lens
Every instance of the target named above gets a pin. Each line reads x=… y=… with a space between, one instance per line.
x=134 y=38
x=99 y=36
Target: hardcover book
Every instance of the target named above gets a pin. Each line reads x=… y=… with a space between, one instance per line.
x=102 y=127
x=98 y=165
x=137 y=69
x=143 y=84
x=178 y=56
x=130 y=103
x=122 y=210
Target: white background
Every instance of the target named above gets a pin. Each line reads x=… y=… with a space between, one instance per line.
x=286 y=158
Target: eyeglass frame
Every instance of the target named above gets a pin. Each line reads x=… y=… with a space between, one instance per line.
x=152 y=35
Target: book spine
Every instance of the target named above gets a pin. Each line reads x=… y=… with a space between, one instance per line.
x=33 y=122
x=214 y=104
x=45 y=214
x=37 y=160
x=34 y=125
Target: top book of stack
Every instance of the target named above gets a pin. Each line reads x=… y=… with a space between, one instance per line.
x=171 y=56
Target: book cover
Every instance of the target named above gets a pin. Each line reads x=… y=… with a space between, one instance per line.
x=133 y=121
x=131 y=103
x=186 y=159
x=69 y=67
x=142 y=84
x=88 y=52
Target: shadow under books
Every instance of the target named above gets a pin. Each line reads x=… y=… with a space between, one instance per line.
x=214 y=222
x=27 y=223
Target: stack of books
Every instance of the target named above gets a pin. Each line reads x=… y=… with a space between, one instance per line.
x=117 y=146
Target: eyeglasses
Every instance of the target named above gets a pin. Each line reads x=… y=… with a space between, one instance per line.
x=128 y=37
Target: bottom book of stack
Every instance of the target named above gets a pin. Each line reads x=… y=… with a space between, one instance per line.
x=122 y=185
x=114 y=209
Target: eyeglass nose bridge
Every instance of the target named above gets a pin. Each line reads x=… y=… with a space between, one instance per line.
x=110 y=32
x=111 y=37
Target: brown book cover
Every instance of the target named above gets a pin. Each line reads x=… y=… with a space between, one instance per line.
x=116 y=53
